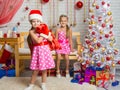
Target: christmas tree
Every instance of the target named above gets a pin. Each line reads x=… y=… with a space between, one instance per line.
x=99 y=46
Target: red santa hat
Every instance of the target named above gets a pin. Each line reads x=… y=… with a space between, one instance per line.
x=35 y=14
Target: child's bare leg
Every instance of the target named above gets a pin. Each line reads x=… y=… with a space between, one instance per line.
x=44 y=78
x=33 y=79
x=67 y=65
x=67 y=62
x=34 y=76
x=58 y=65
x=58 y=62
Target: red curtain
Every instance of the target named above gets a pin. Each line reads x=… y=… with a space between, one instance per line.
x=8 y=9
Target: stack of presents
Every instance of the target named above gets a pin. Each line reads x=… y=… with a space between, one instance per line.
x=93 y=75
x=8 y=69
x=7 y=62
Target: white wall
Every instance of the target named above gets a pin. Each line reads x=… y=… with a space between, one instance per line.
x=61 y=8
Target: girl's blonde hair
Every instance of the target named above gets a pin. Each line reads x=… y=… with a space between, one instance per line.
x=68 y=28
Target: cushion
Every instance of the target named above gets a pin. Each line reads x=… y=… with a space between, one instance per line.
x=27 y=51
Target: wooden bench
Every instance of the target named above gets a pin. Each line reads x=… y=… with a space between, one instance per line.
x=24 y=53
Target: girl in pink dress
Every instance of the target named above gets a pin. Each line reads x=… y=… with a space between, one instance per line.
x=64 y=36
x=41 y=55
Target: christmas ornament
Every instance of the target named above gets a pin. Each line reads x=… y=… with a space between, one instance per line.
x=103 y=3
x=106 y=35
x=119 y=62
x=113 y=65
x=98 y=44
x=94 y=4
x=99 y=64
x=91 y=10
x=107 y=67
x=18 y=23
x=103 y=25
x=107 y=58
x=97 y=7
x=79 y=4
x=26 y=8
x=45 y=1
x=111 y=25
x=109 y=13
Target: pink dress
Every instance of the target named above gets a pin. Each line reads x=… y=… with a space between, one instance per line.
x=64 y=42
x=41 y=57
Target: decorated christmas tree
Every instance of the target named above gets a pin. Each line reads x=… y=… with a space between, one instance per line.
x=99 y=46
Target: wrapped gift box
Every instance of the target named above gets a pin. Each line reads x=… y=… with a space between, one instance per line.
x=103 y=79
x=76 y=69
x=9 y=73
x=90 y=76
x=79 y=72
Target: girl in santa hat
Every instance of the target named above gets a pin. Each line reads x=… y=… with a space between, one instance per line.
x=64 y=36
x=41 y=59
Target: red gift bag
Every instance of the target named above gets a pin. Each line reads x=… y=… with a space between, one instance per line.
x=54 y=45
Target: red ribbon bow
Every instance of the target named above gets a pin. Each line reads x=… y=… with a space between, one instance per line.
x=102 y=76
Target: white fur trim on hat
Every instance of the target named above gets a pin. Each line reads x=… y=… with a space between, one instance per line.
x=35 y=16
x=8 y=48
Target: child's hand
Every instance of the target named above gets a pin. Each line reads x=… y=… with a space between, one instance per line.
x=50 y=38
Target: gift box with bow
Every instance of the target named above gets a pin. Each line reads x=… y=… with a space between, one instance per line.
x=103 y=79
x=90 y=76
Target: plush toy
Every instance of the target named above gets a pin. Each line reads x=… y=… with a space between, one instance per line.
x=43 y=30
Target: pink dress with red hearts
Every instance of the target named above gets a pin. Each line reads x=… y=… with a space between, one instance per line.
x=64 y=42
x=41 y=57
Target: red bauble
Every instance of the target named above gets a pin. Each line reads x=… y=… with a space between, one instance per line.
x=91 y=49
x=103 y=2
x=79 y=4
x=108 y=5
x=18 y=23
x=84 y=66
x=103 y=25
x=98 y=44
x=90 y=27
x=26 y=8
x=87 y=41
x=110 y=32
x=119 y=62
x=107 y=58
x=97 y=7
x=93 y=33
x=100 y=37
x=107 y=67
x=111 y=25
x=46 y=1
x=106 y=35
x=98 y=64
x=87 y=62
x=93 y=16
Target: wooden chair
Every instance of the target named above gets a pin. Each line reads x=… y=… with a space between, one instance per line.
x=24 y=53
